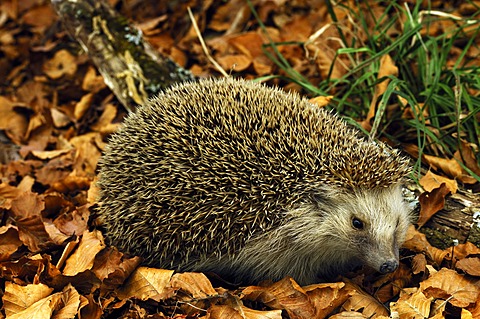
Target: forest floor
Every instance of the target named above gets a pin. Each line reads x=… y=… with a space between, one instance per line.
x=56 y=114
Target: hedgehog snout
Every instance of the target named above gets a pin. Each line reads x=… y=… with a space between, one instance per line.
x=389 y=266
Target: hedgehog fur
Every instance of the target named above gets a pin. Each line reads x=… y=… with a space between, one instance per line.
x=252 y=183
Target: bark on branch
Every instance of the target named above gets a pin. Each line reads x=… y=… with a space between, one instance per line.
x=132 y=69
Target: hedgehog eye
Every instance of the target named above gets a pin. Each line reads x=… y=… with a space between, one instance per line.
x=357 y=223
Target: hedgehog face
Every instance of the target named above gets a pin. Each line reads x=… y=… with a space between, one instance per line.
x=369 y=226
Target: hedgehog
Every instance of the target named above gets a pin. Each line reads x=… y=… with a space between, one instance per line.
x=251 y=183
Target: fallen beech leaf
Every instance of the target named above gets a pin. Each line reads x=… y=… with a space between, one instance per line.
x=327 y=297
x=93 y=82
x=470 y=266
x=9 y=241
x=89 y=307
x=468 y=157
x=113 y=268
x=448 y=285
x=42 y=309
x=49 y=154
x=224 y=311
x=262 y=65
x=87 y=155
x=74 y=222
x=285 y=294
x=417 y=242
x=195 y=284
x=56 y=169
x=431 y=181
x=71 y=183
x=14 y=123
x=104 y=123
x=83 y=258
x=462 y=250
x=389 y=286
x=18 y=298
x=70 y=303
x=228 y=14
x=236 y=63
x=261 y=314
x=248 y=44
x=361 y=301
x=431 y=203
x=83 y=105
x=387 y=68
x=147 y=283
x=26 y=184
x=26 y=212
x=448 y=166
x=59 y=118
x=7 y=194
x=41 y=16
x=321 y=101
x=350 y=315
x=62 y=63
x=55 y=234
x=412 y=306
x=419 y=264
x=69 y=248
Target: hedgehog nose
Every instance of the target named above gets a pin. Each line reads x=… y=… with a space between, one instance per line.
x=389 y=266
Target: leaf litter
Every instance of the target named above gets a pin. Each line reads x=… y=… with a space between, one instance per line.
x=56 y=113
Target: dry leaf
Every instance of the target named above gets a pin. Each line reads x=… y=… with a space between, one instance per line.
x=285 y=294
x=93 y=82
x=417 y=242
x=147 y=283
x=14 y=123
x=327 y=297
x=430 y=181
x=224 y=311
x=412 y=306
x=41 y=16
x=62 y=63
x=59 y=118
x=321 y=101
x=261 y=314
x=419 y=264
x=361 y=301
x=7 y=194
x=49 y=154
x=235 y=63
x=462 y=250
x=83 y=257
x=104 y=123
x=113 y=268
x=195 y=284
x=87 y=155
x=26 y=212
x=349 y=315
x=470 y=266
x=83 y=105
x=387 y=68
x=70 y=303
x=390 y=285
x=468 y=157
x=448 y=166
x=9 y=241
x=18 y=298
x=73 y=222
x=448 y=285
x=431 y=203
x=56 y=235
